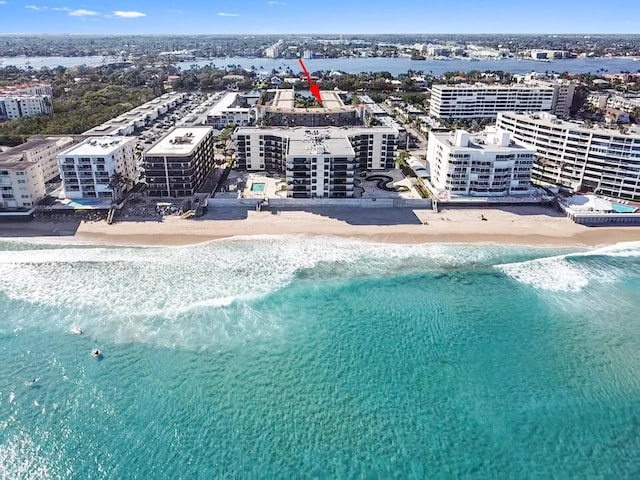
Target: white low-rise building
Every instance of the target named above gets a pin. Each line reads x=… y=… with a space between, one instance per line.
x=486 y=165
x=485 y=101
x=579 y=156
x=227 y=111
x=28 y=100
x=89 y=168
x=136 y=118
x=26 y=169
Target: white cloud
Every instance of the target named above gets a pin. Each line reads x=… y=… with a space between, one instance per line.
x=223 y=14
x=2 y=2
x=81 y=12
x=276 y=3
x=35 y=7
x=61 y=9
x=128 y=14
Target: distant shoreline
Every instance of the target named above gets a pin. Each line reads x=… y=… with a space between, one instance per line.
x=394 y=65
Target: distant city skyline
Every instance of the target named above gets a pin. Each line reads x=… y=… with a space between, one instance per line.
x=317 y=17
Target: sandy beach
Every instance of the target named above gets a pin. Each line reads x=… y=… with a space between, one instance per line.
x=507 y=225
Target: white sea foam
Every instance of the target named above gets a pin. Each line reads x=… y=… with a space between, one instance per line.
x=563 y=273
x=142 y=294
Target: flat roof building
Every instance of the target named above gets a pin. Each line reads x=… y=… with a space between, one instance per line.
x=26 y=169
x=488 y=164
x=89 y=169
x=485 y=101
x=128 y=122
x=25 y=100
x=231 y=109
x=579 y=156
x=179 y=164
x=279 y=109
x=317 y=162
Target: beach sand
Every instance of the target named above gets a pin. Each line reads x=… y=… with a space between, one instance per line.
x=506 y=225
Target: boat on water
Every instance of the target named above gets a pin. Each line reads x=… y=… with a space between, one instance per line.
x=77 y=330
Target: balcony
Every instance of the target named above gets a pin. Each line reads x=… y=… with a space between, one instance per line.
x=343 y=168
x=298 y=169
x=342 y=175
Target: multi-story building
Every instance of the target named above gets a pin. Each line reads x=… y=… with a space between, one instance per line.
x=138 y=117
x=231 y=109
x=279 y=108
x=549 y=54
x=485 y=101
x=320 y=165
x=26 y=169
x=626 y=103
x=578 y=156
x=28 y=100
x=563 y=91
x=487 y=164
x=179 y=164
x=89 y=169
x=267 y=148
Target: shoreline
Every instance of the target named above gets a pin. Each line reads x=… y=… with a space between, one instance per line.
x=532 y=226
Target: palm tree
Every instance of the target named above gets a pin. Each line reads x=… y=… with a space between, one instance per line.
x=117 y=182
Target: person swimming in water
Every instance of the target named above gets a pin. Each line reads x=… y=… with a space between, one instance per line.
x=96 y=353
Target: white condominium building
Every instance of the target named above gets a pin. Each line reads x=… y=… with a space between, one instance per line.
x=138 y=117
x=628 y=104
x=87 y=169
x=583 y=158
x=563 y=91
x=230 y=111
x=27 y=100
x=487 y=164
x=25 y=169
x=266 y=148
x=485 y=101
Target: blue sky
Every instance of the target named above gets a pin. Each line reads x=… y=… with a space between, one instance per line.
x=327 y=16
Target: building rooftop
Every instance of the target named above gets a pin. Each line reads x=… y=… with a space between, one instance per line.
x=284 y=101
x=15 y=157
x=552 y=121
x=319 y=142
x=332 y=131
x=134 y=115
x=96 y=146
x=180 y=141
x=17 y=89
x=491 y=140
x=309 y=141
x=486 y=86
x=225 y=105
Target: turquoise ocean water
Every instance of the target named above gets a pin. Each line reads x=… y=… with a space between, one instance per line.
x=295 y=357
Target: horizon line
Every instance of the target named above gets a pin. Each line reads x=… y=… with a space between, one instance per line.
x=318 y=34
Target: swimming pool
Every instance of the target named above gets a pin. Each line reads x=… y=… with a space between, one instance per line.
x=257 y=187
x=620 y=208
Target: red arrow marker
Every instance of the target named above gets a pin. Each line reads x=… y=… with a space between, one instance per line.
x=313 y=88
